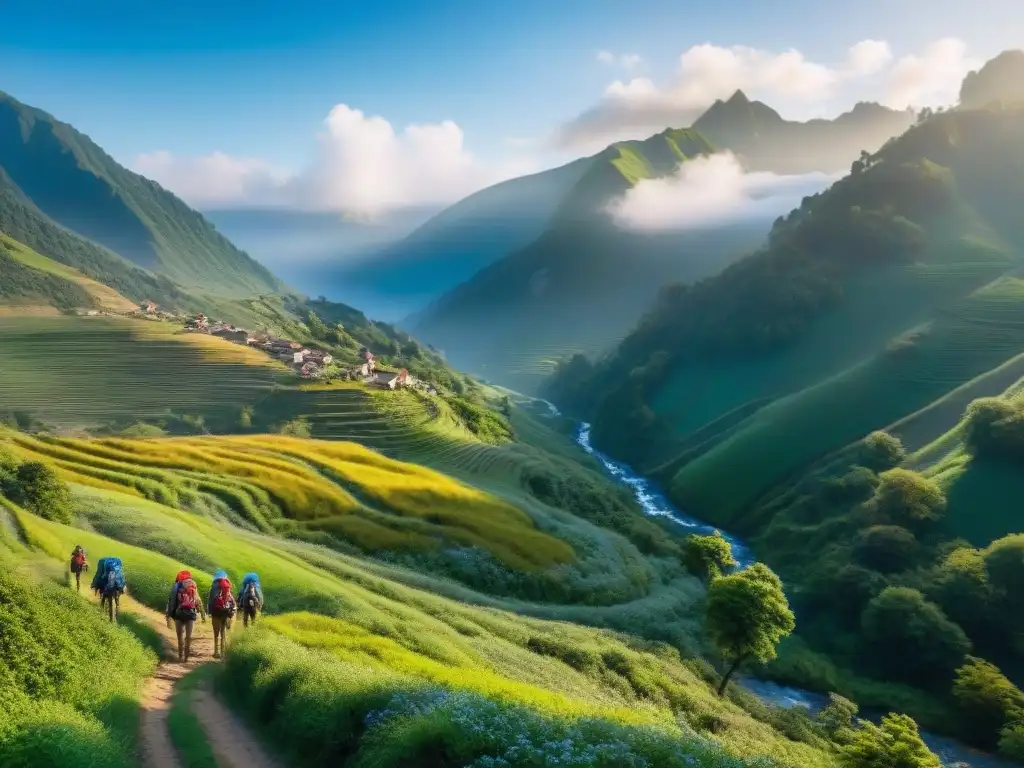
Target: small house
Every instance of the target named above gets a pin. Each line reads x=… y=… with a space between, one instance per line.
x=384 y=380
x=148 y=307
x=238 y=335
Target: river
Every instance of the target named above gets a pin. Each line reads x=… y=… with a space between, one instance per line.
x=950 y=752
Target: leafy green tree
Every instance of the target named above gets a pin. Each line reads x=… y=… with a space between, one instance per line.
x=988 y=701
x=961 y=586
x=317 y=326
x=910 y=637
x=908 y=499
x=708 y=556
x=837 y=715
x=747 y=616
x=896 y=743
x=38 y=488
x=880 y=451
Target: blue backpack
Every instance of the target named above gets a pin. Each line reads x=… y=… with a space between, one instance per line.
x=254 y=580
x=113 y=577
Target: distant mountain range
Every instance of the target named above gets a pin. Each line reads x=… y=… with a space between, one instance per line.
x=51 y=171
x=468 y=236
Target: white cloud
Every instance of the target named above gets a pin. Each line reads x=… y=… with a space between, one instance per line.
x=361 y=165
x=786 y=80
x=215 y=180
x=932 y=78
x=712 y=191
x=868 y=57
x=627 y=61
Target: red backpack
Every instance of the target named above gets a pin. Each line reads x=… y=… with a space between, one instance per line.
x=188 y=597
x=222 y=599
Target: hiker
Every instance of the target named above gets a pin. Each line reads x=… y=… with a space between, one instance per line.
x=250 y=598
x=183 y=604
x=221 y=606
x=78 y=564
x=109 y=584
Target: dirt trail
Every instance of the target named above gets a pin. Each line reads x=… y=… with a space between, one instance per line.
x=233 y=744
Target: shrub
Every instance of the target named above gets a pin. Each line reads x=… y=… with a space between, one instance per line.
x=896 y=743
x=988 y=701
x=908 y=499
x=1011 y=743
x=708 y=557
x=575 y=656
x=911 y=638
x=837 y=715
x=995 y=427
x=880 y=451
x=37 y=488
x=886 y=548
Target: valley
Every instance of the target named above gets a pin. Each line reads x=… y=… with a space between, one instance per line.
x=737 y=489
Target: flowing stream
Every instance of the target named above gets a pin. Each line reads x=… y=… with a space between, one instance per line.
x=951 y=752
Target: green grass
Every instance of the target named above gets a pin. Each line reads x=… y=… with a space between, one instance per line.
x=69 y=681
x=360 y=624
x=187 y=733
x=967 y=340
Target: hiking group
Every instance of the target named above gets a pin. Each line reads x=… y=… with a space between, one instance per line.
x=183 y=604
x=184 y=607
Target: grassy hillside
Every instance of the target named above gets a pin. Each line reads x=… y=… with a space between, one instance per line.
x=343 y=633
x=583 y=282
x=889 y=302
x=901 y=242
x=73 y=182
x=767 y=142
x=30 y=277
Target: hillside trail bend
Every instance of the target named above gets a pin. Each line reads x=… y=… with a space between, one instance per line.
x=233 y=744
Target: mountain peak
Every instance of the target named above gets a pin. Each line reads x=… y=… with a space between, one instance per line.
x=739 y=98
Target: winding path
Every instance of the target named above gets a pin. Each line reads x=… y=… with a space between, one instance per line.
x=233 y=744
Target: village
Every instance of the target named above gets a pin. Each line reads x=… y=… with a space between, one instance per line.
x=308 y=361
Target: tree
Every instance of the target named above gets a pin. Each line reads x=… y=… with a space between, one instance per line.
x=910 y=637
x=38 y=488
x=908 y=499
x=987 y=699
x=317 y=326
x=747 y=616
x=708 y=556
x=1011 y=742
x=896 y=743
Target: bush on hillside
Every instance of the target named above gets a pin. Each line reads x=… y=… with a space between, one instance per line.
x=911 y=639
x=895 y=743
x=844 y=590
x=908 y=499
x=36 y=487
x=886 y=548
x=708 y=557
x=880 y=451
x=960 y=585
x=988 y=701
x=856 y=485
x=1004 y=565
x=995 y=427
x=837 y=715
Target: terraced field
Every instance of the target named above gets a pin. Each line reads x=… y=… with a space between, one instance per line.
x=81 y=372
x=340 y=489
x=347 y=641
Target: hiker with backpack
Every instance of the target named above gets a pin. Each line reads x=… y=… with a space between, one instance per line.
x=221 y=606
x=109 y=583
x=250 y=598
x=183 y=604
x=78 y=564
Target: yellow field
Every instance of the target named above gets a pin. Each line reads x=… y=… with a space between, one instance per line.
x=273 y=482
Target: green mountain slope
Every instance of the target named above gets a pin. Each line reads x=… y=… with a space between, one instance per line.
x=766 y=142
x=76 y=184
x=891 y=302
x=584 y=281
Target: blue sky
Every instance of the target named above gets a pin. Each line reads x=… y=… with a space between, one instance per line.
x=257 y=79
